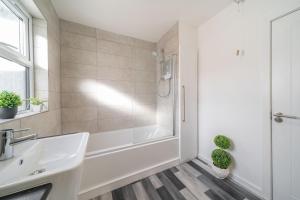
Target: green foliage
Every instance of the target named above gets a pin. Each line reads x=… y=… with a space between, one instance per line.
x=9 y=100
x=36 y=101
x=221 y=158
x=222 y=141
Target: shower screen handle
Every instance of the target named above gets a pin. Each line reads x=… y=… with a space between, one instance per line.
x=183 y=103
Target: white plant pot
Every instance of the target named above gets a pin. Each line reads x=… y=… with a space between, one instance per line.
x=220 y=173
x=36 y=108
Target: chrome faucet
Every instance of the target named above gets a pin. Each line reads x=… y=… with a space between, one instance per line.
x=8 y=140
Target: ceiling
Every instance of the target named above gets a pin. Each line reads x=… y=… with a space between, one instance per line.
x=143 y=19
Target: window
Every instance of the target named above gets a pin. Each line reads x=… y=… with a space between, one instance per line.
x=13 y=77
x=15 y=50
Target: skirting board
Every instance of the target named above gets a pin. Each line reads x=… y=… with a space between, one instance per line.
x=235 y=179
x=127 y=179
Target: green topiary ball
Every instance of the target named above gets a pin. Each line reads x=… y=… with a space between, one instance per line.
x=222 y=141
x=221 y=158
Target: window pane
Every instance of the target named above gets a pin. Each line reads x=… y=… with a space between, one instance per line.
x=12 y=29
x=13 y=78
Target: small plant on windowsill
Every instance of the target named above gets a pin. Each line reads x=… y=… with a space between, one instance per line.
x=221 y=158
x=37 y=104
x=9 y=102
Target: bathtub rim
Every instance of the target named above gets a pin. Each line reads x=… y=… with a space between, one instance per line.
x=106 y=151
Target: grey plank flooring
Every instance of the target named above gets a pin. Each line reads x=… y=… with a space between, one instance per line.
x=150 y=189
x=139 y=191
x=187 y=181
x=175 y=193
x=107 y=196
x=187 y=194
x=128 y=193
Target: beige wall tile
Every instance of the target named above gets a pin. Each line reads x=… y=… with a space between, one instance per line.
x=54 y=63
x=115 y=124
x=114 y=104
x=145 y=98
x=145 y=44
x=79 y=114
x=54 y=101
x=44 y=124
x=16 y=124
x=53 y=47
x=173 y=32
x=144 y=60
x=78 y=41
x=54 y=82
x=116 y=88
x=72 y=70
x=171 y=47
x=109 y=36
x=144 y=76
x=80 y=85
x=112 y=112
x=114 y=48
x=81 y=126
x=54 y=32
x=77 y=28
x=76 y=100
x=109 y=60
x=98 y=87
x=145 y=88
x=108 y=73
x=144 y=109
x=78 y=56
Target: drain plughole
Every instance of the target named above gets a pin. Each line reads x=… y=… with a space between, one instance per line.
x=39 y=171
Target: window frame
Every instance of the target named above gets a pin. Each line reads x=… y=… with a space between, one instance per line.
x=18 y=57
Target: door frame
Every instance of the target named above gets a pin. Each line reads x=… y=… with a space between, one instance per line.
x=271 y=89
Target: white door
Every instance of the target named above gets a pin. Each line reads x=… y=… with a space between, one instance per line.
x=286 y=107
x=188 y=81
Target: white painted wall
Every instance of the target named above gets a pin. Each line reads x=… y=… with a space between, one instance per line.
x=188 y=78
x=234 y=91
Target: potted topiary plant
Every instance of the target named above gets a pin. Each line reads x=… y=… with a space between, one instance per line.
x=37 y=104
x=9 y=102
x=221 y=158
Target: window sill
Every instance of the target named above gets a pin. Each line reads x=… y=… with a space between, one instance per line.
x=21 y=115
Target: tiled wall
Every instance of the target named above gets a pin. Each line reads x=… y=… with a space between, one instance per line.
x=108 y=80
x=170 y=43
x=48 y=123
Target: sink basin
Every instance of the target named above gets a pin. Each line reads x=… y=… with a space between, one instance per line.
x=55 y=160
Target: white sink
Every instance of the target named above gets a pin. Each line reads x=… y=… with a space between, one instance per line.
x=55 y=160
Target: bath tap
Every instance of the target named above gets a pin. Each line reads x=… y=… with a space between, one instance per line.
x=7 y=142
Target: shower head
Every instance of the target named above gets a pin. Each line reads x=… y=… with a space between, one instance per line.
x=158 y=53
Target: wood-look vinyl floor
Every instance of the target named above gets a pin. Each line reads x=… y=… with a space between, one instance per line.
x=187 y=181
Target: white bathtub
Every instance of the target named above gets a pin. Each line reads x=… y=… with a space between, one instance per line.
x=117 y=158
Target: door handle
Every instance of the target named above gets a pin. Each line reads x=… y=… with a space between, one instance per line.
x=279 y=116
x=285 y=116
x=183 y=103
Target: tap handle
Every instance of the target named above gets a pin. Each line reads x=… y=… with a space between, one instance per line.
x=21 y=130
x=9 y=133
x=14 y=131
x=6 y=134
